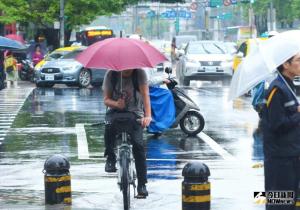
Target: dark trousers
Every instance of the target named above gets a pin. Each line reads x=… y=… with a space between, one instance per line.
x=137 y=149
x=281 y=174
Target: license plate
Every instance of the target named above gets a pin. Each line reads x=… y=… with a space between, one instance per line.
x=49 y=77
x=210 y=69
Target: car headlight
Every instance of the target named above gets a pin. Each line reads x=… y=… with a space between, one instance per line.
x=192 y=60
x=226 y=63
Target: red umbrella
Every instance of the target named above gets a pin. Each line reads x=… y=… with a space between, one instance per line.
x=15 y=37
x=120 y=54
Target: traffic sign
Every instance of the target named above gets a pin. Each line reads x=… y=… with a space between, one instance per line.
x=227 y=2
x=194 y=6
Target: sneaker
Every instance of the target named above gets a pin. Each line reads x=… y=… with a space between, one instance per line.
x=110 y=165
x=142 y=190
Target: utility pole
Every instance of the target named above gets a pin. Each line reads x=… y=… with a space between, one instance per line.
x=251 y=21
x=62 y=24
x=158 y=17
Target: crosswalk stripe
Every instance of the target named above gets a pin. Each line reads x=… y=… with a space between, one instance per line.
x=10 y=106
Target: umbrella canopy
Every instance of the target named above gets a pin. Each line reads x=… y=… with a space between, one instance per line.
x=263 y=61
x=15 y=37
x=120 y=54
x=6 y=43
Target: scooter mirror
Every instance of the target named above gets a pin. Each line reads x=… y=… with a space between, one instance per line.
x=168 y=70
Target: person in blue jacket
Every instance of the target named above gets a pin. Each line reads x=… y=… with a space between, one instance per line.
x=281 y=134
x=162 y=103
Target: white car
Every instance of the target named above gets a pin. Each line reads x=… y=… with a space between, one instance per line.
x=204 y=60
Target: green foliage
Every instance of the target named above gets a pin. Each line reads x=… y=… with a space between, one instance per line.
x=43 y=13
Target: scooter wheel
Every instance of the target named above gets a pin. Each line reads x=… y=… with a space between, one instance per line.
x=192 y=123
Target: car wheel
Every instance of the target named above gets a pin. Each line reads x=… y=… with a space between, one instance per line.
x=226 y=81
x=96 y=84
x=186 y=82
x=71 y=84
x=84 y=79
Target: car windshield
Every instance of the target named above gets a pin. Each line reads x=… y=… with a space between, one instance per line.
x=56 y=55
x=71 y=55
x=183 y=40
x=205 y=48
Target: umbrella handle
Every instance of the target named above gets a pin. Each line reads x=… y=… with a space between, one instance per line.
x=285 y=82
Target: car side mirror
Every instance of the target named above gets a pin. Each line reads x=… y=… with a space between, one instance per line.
x=168 y=70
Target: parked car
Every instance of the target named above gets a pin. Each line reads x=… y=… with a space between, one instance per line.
x=66 y=70
x=204 y=60
x=56 y=54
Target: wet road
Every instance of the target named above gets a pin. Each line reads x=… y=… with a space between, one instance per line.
x=58 y=120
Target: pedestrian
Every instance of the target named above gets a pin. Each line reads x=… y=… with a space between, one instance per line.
x=281 y=133
x=37 y=55
x=128 y=91
x=10 y=67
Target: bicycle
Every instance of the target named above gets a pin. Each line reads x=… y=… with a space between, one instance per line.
x=123 y=123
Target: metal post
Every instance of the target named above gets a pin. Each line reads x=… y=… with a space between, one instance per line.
x=196 y=187
x=251 y=20
x=158 y=14
x=62 y=24
x=271 y=16
x=177 y=20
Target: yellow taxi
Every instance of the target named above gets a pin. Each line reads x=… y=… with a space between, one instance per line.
x=245 y=48
x=56 y=54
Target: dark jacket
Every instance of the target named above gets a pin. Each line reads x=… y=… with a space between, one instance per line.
x=280 y=120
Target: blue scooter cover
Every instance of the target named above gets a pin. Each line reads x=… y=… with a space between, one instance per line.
x=162 y=108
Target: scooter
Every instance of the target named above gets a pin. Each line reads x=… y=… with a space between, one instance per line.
x=26 y=71
x=188 y=114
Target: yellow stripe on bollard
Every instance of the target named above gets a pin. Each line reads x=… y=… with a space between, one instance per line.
x=199 y=187
x=64 y=189
x=58 y=179
x=67 y=200
x=196 y=199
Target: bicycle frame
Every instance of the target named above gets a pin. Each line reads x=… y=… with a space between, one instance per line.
x=125 y=146
x=130 y=173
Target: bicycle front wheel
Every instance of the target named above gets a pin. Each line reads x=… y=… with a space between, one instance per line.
x=125 y=184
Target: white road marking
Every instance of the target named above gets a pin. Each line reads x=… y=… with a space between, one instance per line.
x=216 y=147
x=82 y=145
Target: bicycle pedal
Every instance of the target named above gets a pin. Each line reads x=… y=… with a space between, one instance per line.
x=140 y=197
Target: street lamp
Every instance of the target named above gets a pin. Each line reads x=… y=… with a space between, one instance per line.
x=62 y=25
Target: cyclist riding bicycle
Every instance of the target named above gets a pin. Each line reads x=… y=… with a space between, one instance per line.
x=128 y=91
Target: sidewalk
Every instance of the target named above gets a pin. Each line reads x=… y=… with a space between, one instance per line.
x=11 y=101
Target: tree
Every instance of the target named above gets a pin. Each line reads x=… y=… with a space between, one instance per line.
x=43 y=13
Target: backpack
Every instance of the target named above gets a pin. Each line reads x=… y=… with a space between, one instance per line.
x=258 y=100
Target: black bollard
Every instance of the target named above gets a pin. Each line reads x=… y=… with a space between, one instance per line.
x=57 y=180
x=195 y=187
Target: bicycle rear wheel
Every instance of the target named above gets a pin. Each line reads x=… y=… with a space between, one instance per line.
x=125 y=184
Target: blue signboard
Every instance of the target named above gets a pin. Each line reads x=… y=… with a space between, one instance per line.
x=151 y=13
x=173 y=14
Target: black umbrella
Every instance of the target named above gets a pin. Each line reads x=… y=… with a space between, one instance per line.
x=6 y=43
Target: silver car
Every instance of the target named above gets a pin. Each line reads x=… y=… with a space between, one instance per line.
x=66 y=70
x=204 y=60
